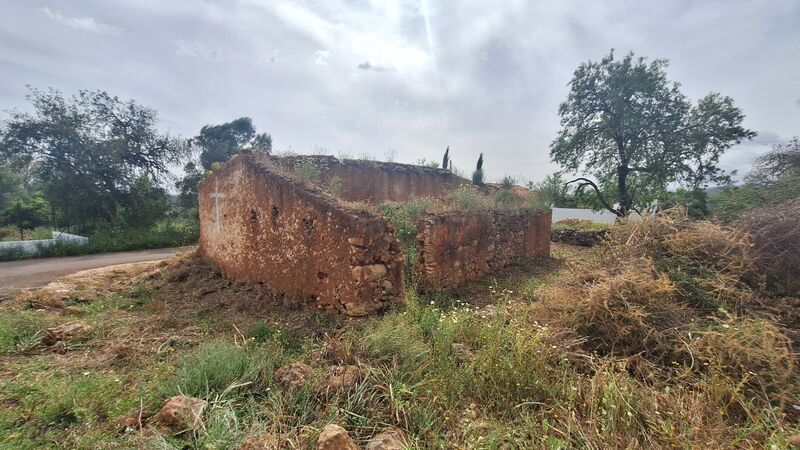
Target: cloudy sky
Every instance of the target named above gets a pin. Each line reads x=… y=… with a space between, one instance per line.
x=368 y=77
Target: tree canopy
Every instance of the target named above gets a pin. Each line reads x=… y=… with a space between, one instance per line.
x=217 y=143
x=88 y=152
x=627 y=126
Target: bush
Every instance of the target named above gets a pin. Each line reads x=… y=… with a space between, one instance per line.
x=404 y=218
x=775 y=232
x=306 y=171
x=467 y=198
x=477 y=177
x=752 y=352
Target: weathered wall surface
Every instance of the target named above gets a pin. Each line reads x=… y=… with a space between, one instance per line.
x=259 y=226
x=456 y=248
x=374 y=181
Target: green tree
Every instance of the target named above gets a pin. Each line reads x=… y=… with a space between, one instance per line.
x=88 y=150
x=626 y=125
x=217 y=143
x=187 y=186
x=145 y=205
x=477 y=175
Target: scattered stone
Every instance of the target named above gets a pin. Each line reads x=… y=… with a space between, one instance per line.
x=462 y=352
x=388 y=439
x=342 y=377
x=334 y=437
x=371 y=272
x=181 y=413
x=69 y=331
x=294 y=376
x=264 y=441
x=127 y=424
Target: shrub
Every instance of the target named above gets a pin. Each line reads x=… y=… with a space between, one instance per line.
x=306 y=171
x=404 y=218
x=775 y=233
x=752 y=352
x=478 y=177
x=467 y=198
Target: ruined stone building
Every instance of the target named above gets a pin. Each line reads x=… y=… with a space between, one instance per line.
x=261 y=222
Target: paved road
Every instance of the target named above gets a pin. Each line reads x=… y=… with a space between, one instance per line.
x=16 y=275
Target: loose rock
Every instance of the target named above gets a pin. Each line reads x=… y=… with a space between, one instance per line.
x=342 y=377
x=69 y=331
x=294 y=376
x=181 y=413
x=334 y=437
x=388 y=439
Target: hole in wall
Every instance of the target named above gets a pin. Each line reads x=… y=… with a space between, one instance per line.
x=273 y=214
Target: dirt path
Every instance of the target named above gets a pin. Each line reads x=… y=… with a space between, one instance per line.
x=18 y=275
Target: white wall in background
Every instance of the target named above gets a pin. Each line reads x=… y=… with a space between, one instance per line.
x=587 y=214
x=32 y=247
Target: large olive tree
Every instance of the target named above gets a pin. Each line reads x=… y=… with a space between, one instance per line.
x=635 y=133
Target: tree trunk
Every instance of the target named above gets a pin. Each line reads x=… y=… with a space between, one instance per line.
x=622 y=186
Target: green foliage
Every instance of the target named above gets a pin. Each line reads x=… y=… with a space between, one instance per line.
x=146 y=204
x=553 y=191
x=693 y=201
x=217 y=143
x=477 y=175
x=335 y=186
x=306 y=171
x=262 y=332
x=187 y=186
x=626 y=125
x=446 y=159
x=20 y=331
x=404 y=218
x=425 y=163
x=88 y=151
x=219 y=365
x=728 y=203
x=26 y=212
x=467 y=198
x=117 y=239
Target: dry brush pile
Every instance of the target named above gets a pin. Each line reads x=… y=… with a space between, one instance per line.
x=689 y=302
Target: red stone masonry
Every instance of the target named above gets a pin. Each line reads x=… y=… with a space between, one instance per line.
x=456 y=248
x=300 y=243
x=262 y=227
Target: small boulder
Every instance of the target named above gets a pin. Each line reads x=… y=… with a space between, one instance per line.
x=69 y=331
x=181 y=413
x=341 y=377
x=388 y=439
x=334 y=437
x=294 y=376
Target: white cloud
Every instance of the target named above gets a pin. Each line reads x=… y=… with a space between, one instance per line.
x=196 y=50
x=321 y=57
x=81 y=23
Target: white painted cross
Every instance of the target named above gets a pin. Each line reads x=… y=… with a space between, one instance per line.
x=216 y=196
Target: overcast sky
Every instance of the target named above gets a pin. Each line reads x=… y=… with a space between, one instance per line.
x=366 y=77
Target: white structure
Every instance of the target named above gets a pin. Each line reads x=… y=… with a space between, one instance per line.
x=602 y=216
x=32 y=247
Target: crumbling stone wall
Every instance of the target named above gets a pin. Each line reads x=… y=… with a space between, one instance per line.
x=375 y=182
x=297 y=242
x=456 y=248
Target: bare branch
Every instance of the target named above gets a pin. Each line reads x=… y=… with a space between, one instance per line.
x=588 y=182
